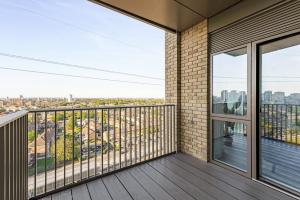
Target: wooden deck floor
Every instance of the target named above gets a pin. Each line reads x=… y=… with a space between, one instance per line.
x=175 y=177
x=280 y=161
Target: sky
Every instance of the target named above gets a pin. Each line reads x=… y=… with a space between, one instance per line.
x=82 y=33
x=280 y=71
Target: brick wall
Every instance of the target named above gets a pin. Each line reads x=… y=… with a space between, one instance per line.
x=172 y=76
x=187 y=75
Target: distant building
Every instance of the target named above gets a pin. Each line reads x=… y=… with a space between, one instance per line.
x=224 y=95
x=293 y=98
x=70 y=99
x=233 y=96
x=1 y=104
x=278 y=98
x=267 y=97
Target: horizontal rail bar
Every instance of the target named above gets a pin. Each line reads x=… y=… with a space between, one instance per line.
x=97 y=108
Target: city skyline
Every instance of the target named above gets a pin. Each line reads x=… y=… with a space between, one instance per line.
x=268 y=96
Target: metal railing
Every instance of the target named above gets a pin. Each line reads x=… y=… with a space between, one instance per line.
x=13 y=156
x=70 y=146
x=281 y=122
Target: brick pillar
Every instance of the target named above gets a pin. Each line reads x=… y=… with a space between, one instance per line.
x=187 y=85
x=172 y=76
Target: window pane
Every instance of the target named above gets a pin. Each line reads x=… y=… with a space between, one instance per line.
x=230 y=82
x=230 y=143
x=280 y=112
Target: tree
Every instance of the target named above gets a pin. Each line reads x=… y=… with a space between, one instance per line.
x=31 y=136
x=69 y=149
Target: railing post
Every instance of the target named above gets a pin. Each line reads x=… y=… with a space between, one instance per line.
x=13 y=155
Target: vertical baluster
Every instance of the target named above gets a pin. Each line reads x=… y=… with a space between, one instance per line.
x=35 y=151
x=73 y=144
x=175 y=130
x=152 y=132
x=108 y=138
x=135 y=146
x=286 y=122
x=291 y=124
x=144 y=134
x=164 y=129
x=171 y=127
x=296 y=124
x=102 y=132
x=45 y=151
x=64 y=148
x=55 y=148
x=120 y=138
x=88 y=139
x=156 y=132
x=281 y=122
x=95 y=140
x=130 y=134
x=168 y=130
x=80 y=144
x=125 y=136
x=268 y=119
x=148 y=132
x=160 y=129
x=276 y=114
x=114 y=143
x=140 y=131
x=264 y=120
x=273 y=122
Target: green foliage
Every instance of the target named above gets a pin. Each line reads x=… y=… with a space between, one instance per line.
x=31 y=136
x=69 y=150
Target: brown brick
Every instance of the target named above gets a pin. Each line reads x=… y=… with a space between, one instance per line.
x=187 y=87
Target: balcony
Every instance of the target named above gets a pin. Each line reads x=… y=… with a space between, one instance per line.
x=118 y=153
x=176 y=176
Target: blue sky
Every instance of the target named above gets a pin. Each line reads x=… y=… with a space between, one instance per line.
x=280 y=71
x=77 y=32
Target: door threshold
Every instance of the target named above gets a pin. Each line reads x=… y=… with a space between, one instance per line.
x=277 y=188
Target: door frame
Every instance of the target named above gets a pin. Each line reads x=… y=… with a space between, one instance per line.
x=233 y=118
x=256 y=99
x=253 y=107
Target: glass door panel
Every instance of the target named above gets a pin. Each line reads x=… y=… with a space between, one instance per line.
x=230 y=143
x=230 y=83
x=229 y=110
x=279 y=156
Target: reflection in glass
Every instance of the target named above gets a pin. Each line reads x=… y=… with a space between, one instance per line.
x=280 y=110
x=230 y=82
x=230 y=143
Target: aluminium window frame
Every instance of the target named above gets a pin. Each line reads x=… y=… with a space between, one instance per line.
x=246 y=119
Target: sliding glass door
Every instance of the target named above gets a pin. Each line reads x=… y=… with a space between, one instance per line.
x=279 y=142
x=230 y=124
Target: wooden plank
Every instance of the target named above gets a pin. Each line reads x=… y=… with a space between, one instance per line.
x=175 y=191
x=198 y=182
x=97 y=189
x=115 y=188
x=65 y=195
x=250 y=187
x=152 y=187
x=188 y=187
x=225 y=187
x=132 y=186
x=80 y=193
